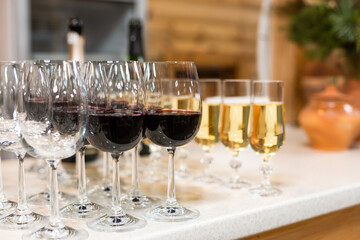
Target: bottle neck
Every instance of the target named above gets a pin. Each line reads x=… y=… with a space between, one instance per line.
x=76 y=43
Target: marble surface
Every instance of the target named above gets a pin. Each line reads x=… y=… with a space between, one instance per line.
x=313 y=183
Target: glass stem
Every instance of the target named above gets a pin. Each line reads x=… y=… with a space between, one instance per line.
x=235 y=164
x=171 y=195
x=106 y=168
x=22 y=206
x=2 y=195
x=266 y=170
x=47 y=189
x=155 y=158
x=80 y=158
x=206 y=160
x=135 y=189
x=54 y=220
x=183 y=163
x=116 y=209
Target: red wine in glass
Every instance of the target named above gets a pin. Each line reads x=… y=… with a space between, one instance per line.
x=172 y=128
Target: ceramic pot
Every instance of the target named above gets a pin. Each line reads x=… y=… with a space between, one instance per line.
x=330 y=120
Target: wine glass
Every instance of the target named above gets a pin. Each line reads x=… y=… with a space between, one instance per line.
x=43 y=198
x=52 y=118
x=135 y=199
x=208 y=135
x=116 y=124
x=83 y=207
x=172 y=122
x=268 y=131
x=234 y=130
x=23 y=217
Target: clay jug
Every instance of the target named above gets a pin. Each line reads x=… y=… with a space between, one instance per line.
x=330 y=120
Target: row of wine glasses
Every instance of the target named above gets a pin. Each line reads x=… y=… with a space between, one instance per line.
x=53 y=109
x=227 y=117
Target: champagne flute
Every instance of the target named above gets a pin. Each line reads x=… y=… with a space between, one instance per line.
x=234 y=130
x=52 y=120
x=172 y=123
x=23 y=217
x=116 y=124
x=208 y=135
x=268 y=129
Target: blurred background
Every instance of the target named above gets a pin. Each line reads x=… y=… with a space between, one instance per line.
x=225 y=38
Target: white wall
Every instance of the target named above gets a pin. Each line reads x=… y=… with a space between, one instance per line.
x=14 y=30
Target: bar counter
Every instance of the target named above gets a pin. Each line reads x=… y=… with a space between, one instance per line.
x=313 y=183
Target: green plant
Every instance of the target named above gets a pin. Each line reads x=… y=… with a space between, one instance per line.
x=327 y=26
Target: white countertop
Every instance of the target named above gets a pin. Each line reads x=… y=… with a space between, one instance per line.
x=313 y=183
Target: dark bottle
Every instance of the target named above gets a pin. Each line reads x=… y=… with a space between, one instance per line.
x=136 y=53
x=136 y=49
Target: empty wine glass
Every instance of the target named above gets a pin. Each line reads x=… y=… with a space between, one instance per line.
x=268 y=132
x=235 y=127
x=208 y=135
x=52 y=120
x=23 y=217
x=172 y=121
x=116 y=124
x=43 y=198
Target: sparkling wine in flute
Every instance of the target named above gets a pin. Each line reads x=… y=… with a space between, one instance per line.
x=208 y=134
x=268 y=128
x=178 y=102
x=234 y=131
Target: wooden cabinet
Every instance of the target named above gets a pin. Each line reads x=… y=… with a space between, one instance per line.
x=343 y=224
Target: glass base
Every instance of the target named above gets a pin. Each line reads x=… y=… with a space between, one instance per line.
x=268 y=191
x=17 y=221
x=208 y=179
x=82 y=210
x=108 y=223
x=7 y=207
x=238 y=184
x=138 y=202
x=43 y=198
x=171 y=214
x=64 y=233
